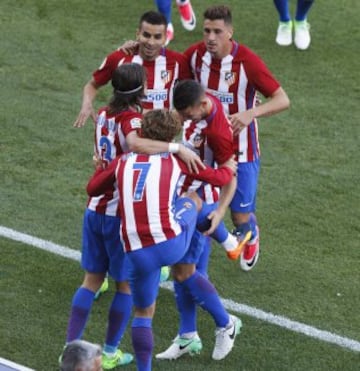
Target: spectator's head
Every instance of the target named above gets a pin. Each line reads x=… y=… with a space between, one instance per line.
x=218 y=30
x=161 y=125
x=190 y=100
x=128 y=81
x=80 y=355
x=151 y=34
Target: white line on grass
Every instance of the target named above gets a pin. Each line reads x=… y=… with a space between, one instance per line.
x=281 y=321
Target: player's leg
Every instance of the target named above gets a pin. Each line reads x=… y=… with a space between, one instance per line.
x=121 y=305
x=81 y=305
x=95 y=263
x=103 y=288
x=232 y=245
x=284 y=31
x=144 y=286
x=243 y=207
x=144 y=276
x=187 y=14
x=302 y=37
x=206 y=296
x=164 y=7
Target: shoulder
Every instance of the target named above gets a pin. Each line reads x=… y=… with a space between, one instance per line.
x=133 y=118
x=244 y=53
x=198 y=47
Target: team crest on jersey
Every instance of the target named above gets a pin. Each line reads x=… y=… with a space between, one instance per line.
x=198 y=140
x=135 y=123
x=165 y=76
x=230 y=77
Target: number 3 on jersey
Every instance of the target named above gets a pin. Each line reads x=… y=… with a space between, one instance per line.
x=141 y=170
x=105 y=149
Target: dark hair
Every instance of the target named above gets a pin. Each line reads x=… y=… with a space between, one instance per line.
x=187 y=93
x=154 y=18
x=216 y=12
x=128 y=82
x=161 y=124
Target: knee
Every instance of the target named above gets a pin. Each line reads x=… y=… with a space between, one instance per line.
x=182 y=272
x=123 y=287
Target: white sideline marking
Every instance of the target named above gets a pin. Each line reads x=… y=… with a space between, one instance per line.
x=7 y=365
x=274 y=319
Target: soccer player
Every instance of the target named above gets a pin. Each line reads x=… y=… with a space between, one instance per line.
x=115 y=132
x=187 y=16
x=208 y=132
x=163 y=67
x=234 y=74
x=301 y=27
x=157 y=226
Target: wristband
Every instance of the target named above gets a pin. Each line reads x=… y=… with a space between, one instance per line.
x=174 y=147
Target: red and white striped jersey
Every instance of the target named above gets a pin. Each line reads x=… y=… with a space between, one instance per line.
x=110 y=141
x=162 y=73
x=211 y=139
x=234 y=80
x=147 y=188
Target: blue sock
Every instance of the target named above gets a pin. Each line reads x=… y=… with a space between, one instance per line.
x=186 y=307
x=282 y=7
x=119 y=314
x=302 y=9
x=80 y=309
x=203 y=261
x=203 y=223
x=250 y=225
x=164 y=7
x=205 y=295
x=143 y=342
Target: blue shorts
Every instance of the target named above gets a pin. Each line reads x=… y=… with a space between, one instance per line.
x=244 y=200
x=102 y=250
x=144 y=265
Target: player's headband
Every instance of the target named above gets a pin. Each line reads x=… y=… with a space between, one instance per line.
x=129 y=91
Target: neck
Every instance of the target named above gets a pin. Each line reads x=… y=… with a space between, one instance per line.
x=227 y=49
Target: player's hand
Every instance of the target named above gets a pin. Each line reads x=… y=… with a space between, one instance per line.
x=231 y=164
x=84 y=114
x=241 y=120
x=97 y=162
x=215 y=217
x=129 y=47
x=191 y=159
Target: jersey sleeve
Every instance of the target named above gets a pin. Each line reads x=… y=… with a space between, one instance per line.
x=104 y=73
x=217 y=177
x=259 y=75
x=220 y=136
x=131 y=122
x=102 y=180
x=184 y=68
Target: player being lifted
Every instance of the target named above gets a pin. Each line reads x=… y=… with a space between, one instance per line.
x=115 y=132
x=156 y=228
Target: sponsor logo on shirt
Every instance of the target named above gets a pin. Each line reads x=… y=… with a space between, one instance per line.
x=156 y=95
x=224 y=97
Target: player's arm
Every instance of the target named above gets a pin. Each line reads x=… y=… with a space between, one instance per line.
x=149 y=146
x=217 y=215
x=277 y=102
x=217 y=177
x=102 y=179
x=87 y=110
